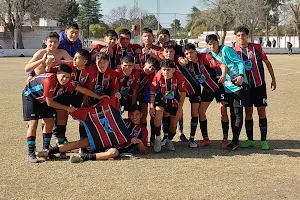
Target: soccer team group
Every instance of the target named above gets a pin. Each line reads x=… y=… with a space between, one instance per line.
x=144 y=79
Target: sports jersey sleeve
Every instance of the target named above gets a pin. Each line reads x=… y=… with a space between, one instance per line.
x=119 y=75
x=135 y=84
x=136 y=46
x=145 y=136
x=261 y=52
x=71 y=86
x=181 y=82
x=113 y=80
x=231 y=54
x=49 y=86
x=96 y=49
x=209 y=60
x=90 y=84
x=154 y=85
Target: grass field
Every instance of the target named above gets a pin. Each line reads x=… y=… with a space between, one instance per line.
x=202 y=173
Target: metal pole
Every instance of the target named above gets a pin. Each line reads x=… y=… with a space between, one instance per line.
x=158 y=12
x=174 y=26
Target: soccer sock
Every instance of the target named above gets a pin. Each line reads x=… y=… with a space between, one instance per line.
x=171 y=135
x=249 y=129
x=180 y=123
x=31 y=145
x=46 y=140
x=225 y=128
x=53 y=150
x=237 y=124
x=203 y=128
x=82 y=132
x=194 y=124
x=157 y=130
x=61 y=134
x=263 y=123
x=166 y=126
x=88 y=156
x=152 y=136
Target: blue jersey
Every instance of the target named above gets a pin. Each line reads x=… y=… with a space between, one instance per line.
x=67 y=45
x=235 y=67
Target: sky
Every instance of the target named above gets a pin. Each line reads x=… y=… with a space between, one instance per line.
x=181 y=7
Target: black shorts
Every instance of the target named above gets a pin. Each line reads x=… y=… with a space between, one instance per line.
x=68 y=99
x=209 y=96
x=33 y=110
x=167 y=106
x=126 y=103
x=258 y=96
x=239 y=98
x=195 y=98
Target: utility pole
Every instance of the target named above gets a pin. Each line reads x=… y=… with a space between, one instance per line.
x=158 y=12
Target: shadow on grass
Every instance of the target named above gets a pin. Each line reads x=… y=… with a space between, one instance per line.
x=278 y=147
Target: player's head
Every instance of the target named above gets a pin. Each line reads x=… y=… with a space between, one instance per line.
x=190 y=51
x=163 y=36
x=52 y=41
x=64 y=74
x=102 y=62
x=110 y=37
x=125 y=37
x=168 y=67
x=147 y=36
x=127 y=65
x=72 y=31
x=169 y=50
x=151 y=65
x=135 y=114
x=241 y=34
x=212 y=42
x=81 y=59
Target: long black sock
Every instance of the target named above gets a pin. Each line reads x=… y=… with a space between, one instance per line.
x=31 y=145
x=53 y=150
x=61 y=134
x=46 y=140
x=180 y=123
x=166 y=125
x=171 y=135
x=237 y=112
x=157 y=130
x=249 y=129
x=263 y=126
x=88 y=156
x=203 y=128
x=82 y=132
x=225 y=128
x=194 y=124
x=152 y=136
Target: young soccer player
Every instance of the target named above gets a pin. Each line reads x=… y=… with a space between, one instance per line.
x=69 y=39
x=38 y=103
x=147 y=74
x=138 y=141
x=103 y=79
x=110 y=39
x=235 y=88
x=45 y=59
x=202 y=67
x=253 y=57
x=163 y=36
x=128 y=80
x=167 y=94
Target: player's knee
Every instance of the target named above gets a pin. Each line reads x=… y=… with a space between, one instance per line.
x=113 y=152
x=261 y=112
x=49 y=121
x=32 y=125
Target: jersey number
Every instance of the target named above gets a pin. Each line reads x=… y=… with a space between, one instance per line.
x=104 y=122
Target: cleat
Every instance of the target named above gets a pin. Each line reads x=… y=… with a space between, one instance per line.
x=204 y=142
x=247 y=144
x=157 y=144
x=170 y=145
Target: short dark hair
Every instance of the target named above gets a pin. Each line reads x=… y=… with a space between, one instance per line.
x=190 y=46
x=164 y=31
x=155 y=63
x=147 y=30
x=102 y=56
x=125 y=32
x=111 y=33
x=65 y=68
x=52 y=35
x=135 y=107
x=127 y=59
x=211 y=38
x=72 y=25
x=85 y=53
x=169 y=45
x=167 y=63
x=242 y=29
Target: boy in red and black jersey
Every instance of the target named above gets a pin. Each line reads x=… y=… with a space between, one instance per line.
x=203 y=69
x=128 y=80
x=38 y=103
x=253 y=57
x=103 y=79
x=167 y=94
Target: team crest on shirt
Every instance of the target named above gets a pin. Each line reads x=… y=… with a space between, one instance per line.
x=251 y=54
x=136 y=132
x=105 y=81
x=212 y=61
x=174 y=86
x=130 y=81
x=82 y=79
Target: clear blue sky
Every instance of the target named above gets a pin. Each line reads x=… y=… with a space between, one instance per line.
x=166 y=6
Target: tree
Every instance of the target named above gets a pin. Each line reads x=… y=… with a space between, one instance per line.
x=150 y=21
x=176 y=24
x=194 y=19
x=89 y=13
x=98 y=30
x=71 y=11
x=295 y=8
